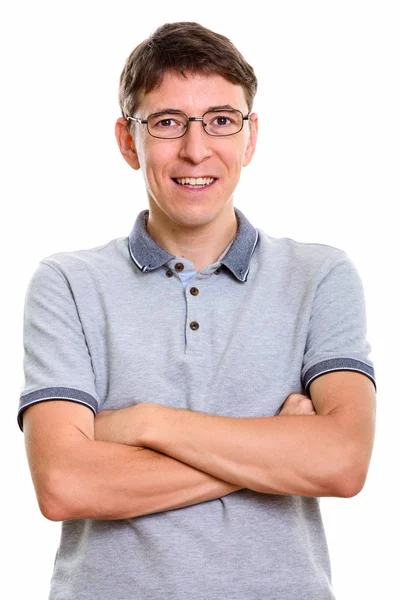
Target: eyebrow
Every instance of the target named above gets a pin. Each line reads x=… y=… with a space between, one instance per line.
x=228 y=106
x=176 y=110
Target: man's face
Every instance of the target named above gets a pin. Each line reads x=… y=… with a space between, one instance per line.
x=194 y=155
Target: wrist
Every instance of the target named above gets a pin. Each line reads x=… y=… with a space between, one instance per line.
x=147 y=418
x=157 y=422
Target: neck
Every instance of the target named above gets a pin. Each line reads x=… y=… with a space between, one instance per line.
x=201 y=244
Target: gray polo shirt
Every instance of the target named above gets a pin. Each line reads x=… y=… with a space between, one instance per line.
x=122 y=324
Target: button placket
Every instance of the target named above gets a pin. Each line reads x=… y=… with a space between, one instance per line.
x=194 y=325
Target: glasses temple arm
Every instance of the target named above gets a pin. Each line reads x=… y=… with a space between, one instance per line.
x=137 y=120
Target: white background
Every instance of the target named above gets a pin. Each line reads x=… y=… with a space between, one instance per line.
x=326 y=170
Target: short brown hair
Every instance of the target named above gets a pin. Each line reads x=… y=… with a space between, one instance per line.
x=184 y=47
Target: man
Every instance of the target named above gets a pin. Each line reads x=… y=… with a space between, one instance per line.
x=167 y=408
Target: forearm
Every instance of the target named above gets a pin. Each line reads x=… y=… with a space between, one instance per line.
x=274 y=455
x=114 y=481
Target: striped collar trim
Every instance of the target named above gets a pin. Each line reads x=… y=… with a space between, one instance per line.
x=148 y=256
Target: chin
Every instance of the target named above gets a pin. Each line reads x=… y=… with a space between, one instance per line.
x=194 y=217
x=193 y=211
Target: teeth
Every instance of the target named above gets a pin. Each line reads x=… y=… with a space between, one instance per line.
x=195 y=181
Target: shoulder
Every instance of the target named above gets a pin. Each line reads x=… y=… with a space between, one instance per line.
x=309 y=260
x=104 y=258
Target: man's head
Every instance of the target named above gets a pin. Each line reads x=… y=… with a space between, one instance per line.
x=186 y=67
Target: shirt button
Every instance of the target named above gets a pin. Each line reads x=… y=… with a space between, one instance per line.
x=217 y=271
x=179 y=267
x=194 y=291
x=194 y=325
x=169 y=273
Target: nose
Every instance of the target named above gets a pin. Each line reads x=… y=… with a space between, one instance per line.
x=196 y=144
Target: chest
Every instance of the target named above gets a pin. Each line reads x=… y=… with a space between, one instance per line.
x=230 y=350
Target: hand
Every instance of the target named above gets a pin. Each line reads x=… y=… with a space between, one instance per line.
x=123 y=426
x=297 y=404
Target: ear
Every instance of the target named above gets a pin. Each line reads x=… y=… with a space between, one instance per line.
x=126 y=143
x=252 y=141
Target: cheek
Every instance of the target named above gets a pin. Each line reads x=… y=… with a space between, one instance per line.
x=235 y=156
x=234 y=163
x=157 y=163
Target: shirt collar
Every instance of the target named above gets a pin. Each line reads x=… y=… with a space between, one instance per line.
x=147 y=255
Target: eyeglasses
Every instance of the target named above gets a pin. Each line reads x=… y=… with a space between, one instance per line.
x=174 y=123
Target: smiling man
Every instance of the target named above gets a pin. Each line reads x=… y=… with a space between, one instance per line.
x=191 y=164
x=193 y=388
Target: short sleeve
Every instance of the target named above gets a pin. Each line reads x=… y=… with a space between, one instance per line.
x=57 y=363
x=336 y=337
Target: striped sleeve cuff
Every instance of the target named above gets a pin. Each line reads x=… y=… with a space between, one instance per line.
x=337 y=364
x=55 y=393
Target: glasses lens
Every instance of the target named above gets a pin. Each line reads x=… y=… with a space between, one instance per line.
x=223 y=122
x=167 y=125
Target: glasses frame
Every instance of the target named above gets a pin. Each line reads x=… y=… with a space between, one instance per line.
x=189 y=119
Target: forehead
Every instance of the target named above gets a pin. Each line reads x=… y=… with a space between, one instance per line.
x=193 y=93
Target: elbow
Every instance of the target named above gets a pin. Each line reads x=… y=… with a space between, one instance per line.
x=52 y=499
x=351 y=481
x=352 y=488
x=52 y=512
x=50 y=507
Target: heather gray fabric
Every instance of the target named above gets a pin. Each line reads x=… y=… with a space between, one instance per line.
x=105 y=327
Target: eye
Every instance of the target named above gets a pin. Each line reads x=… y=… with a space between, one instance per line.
x=159 y=123
x=165 y=123
x=222 y=121
x=167 y=120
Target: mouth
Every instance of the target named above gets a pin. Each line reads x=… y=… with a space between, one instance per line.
x=194 y=183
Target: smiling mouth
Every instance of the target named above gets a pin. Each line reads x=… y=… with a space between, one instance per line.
x=194 y=183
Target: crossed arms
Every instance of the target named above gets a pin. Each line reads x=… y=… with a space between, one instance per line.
x=151 y=458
